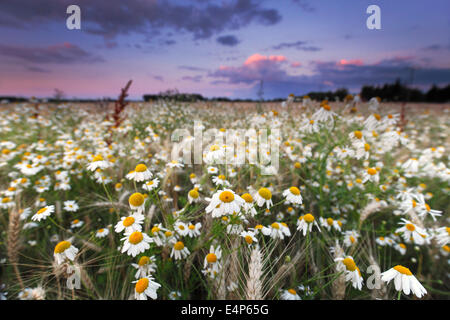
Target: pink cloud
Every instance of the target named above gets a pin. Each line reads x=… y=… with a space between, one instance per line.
x=255 y=58
x=296 y=64
x=355 y=62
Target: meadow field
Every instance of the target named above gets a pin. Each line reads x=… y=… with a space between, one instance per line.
x=210 y=200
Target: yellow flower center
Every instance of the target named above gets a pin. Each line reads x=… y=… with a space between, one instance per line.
x=211 y=258
x=141 y=285
x=366 y=146
x=179 y=245
x=136 y=237
x=193 y=193
x=62 y=246
x=248 y=239
x=292 y=291
x=352 y=239
x=221 y=177
x=410 y=227
x=226 y=196
x=403 y=270
x=265 y=193
x=97 y=158
x=326 y=107
x=143 y=261
x=294 y=191
x=309 y=218
x=136 y=199
x=275 y=225
x=330 y=221
x=372 y=171
x=247 y=197
x=42 y=210
x=128 y=221
x=358 y=134
x=214 y=147
x=297 y=165
x=140 y=168
x=101 y=230
x=349 y=264
x=191 y=227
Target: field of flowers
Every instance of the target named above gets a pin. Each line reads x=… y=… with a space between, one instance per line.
x=326 y=200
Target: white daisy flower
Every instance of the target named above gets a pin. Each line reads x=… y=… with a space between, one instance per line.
x=145 y=266
x=293 y=195
x=194 y=230
x=224 y=202
x=179 y=251
x=98 y=163
x=71 y=206
x=130 y=224
x=43 y=213
x=102 y=232
x=63 y=250
x=135 y=243
x=264 y=197
x=404 y=281
x=305 y=223
x=290 y=294
x=140 y=173
x=146 y=287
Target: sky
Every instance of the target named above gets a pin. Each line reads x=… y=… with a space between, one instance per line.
x=220 y=48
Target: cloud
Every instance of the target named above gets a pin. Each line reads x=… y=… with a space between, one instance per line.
x=353 y=74
x=159 y=78
x=201 y=19
x=437 y=47
x=229 y=40
x=192 y=68
x=37 y=69
x=305 y=5
x=299 y=45
x=59 y=53
x=197 y=78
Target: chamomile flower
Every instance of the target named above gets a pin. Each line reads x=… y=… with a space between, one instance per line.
x=102 y=232
x=293 y=195
x=150 y=185
x=137 y=202
x=146 y=287
x=221 y=180
x=145 y=266
x=248 y=207
x=412 y=232
x=135 y=243
x=76 y=223
x=43 y=213
x=179 y=251
x=181 y=228
x=289 y=294
x=71 y=206
x=371 y=174
x=305 y=223
x=212 y=260
x=443 y=236
x=352 y=272
x=130 y=224
x=175 y=164
x=224 y=202
x=193 y=230
x=64 y=250
x=98 y=163
x=140 y=173
x=249 y=237
x=350 y=238
x=193 y=195
x=277 y=230
x=404 y=281
x=264 y=197
x=330 y=223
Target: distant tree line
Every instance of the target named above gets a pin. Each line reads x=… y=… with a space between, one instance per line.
x=399 y=92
